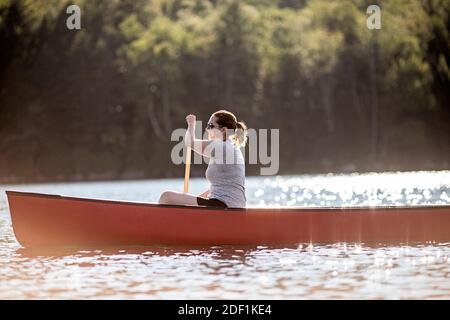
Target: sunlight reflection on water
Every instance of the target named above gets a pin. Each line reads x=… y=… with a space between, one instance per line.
x=303 y=271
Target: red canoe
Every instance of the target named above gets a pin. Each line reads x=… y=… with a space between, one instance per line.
x=52 y=220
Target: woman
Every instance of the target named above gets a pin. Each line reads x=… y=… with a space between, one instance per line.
x=226 y=168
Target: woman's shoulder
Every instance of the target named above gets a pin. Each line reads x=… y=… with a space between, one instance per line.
x=219 y=144
x=215 y=142
x=220 y=150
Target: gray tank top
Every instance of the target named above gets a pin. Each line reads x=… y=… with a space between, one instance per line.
x=226 y=174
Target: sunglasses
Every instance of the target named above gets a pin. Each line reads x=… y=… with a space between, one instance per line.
x=210 y=126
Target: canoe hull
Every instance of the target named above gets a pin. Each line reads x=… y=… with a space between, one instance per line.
x=51 y=220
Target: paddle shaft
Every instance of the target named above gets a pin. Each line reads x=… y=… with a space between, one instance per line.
x=187 y=170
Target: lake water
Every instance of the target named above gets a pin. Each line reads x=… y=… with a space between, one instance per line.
x=301 y=271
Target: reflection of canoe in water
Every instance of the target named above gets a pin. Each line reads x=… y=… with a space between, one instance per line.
x=53 y=220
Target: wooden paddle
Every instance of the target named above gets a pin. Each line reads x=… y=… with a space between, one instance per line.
x=187 y=169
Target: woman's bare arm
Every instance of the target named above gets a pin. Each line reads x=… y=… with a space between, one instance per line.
x=195 y=144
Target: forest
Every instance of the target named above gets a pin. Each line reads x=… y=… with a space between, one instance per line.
x=100 y=103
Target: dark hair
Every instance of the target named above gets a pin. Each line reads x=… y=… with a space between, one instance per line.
x=228 y=120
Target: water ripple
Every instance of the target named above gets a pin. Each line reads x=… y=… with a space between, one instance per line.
x=304 y=271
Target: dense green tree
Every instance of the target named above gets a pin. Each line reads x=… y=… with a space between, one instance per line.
x=96 y=103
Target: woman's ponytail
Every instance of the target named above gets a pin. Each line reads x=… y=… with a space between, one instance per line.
x=240 y=136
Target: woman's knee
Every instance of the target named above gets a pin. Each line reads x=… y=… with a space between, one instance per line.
x=166 y=197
